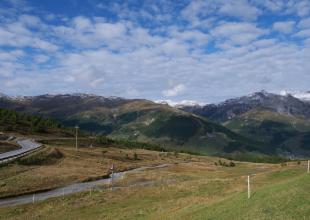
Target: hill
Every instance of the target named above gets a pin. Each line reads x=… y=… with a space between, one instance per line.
x=135 y=120
x=282 y=104
x=12 y=121
x=280 y=122
x=284 y=135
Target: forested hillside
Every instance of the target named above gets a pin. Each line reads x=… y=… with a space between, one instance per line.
x=12 y=121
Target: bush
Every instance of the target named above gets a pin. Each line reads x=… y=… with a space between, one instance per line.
x=232 y=164
x=176 y=154
x=135 y=156
x=46 y=156
x=224 y=164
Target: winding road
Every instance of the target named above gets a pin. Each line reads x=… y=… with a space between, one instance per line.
x=73 y=188
x=26 y=145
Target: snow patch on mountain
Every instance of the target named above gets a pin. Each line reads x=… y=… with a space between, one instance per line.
x=180 y=103
x=304 y=96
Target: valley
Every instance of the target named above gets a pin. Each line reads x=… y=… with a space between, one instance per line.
x=185 y=186
x=167 y=163
x=154 y=110
x=261 y=125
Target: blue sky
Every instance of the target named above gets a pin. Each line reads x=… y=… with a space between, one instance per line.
x=205 y=51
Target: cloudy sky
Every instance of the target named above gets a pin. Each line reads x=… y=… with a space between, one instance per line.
x=160 y=50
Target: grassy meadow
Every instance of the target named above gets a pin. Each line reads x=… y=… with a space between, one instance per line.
x=191 y=187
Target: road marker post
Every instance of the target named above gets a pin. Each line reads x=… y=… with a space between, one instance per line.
x=76 y=137
x=33 y=198
x=112 y=174
x=249 y=190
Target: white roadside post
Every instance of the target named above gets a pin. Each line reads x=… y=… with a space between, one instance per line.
x=33 y=199
x=112 y=173
x=249 y=190
x=76 y=137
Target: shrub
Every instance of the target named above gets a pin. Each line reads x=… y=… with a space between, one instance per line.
x=232 y=164
x=283 y=164
x=176 y=154
x=135 y=156
x=47 y=156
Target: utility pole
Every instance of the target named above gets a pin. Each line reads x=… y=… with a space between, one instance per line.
x=76 y=137
x=249 y=190
x=112 y=173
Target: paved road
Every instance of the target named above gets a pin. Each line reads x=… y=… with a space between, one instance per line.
x=73 y=188
x=26 y=146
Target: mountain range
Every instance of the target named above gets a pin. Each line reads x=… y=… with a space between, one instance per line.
x=259 y=124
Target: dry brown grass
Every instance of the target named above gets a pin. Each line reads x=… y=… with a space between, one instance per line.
x=176 y=192
x=7 y=146
x=84 y=165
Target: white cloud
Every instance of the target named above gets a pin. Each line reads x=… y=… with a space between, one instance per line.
x=237 y=33
x=271 y=5
x=285 y=7
x=303 y=33
x=264 y=43
x=307 y=42
x=132 y=59
x=302 y=8
x=97 y=82
x=41 y=58
x=304 y=23
x=174 y=91
x=83 y=32
x=240 y=9
x=30 y=20
x=195 y=37
x=82 y=23
x=11 y=55
x=285 y=27
x=17 y=34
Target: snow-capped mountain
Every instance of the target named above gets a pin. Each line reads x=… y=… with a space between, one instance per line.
x=305 y=96
x=180 y=104
x=284 y=104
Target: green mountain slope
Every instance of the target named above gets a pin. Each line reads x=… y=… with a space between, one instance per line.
x=12 y=121
x=136 y=120
x=282 y=134
x=145 y=121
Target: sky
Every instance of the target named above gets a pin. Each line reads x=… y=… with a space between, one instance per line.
x=178 y=50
